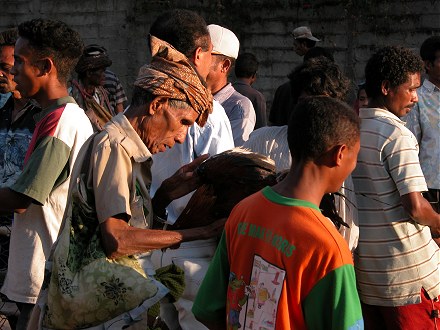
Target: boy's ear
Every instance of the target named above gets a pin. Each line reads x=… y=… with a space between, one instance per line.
x=157 y=105
x=340 y=154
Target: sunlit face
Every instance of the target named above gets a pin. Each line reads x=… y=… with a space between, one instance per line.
x=24 y=71
x=205 y=62
x=401 y=99
x=6 y=63
x=214 y=70
x=167 y=127
x=363 y=99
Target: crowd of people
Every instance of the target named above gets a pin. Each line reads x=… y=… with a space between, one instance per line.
x=94 y=188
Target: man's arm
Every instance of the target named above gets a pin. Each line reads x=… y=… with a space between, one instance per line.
x=421 y=211
x=12 y=201
x=119 y=239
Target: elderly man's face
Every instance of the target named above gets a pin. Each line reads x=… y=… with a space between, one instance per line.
x=167 y=126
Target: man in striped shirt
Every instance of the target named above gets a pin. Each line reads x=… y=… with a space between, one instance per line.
x=396 y=262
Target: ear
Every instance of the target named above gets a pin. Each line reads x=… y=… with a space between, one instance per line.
x=197 y=57
x=157 y=105
x=338 y=154
x=385 y=87
x=45 y=66
x=226 y=65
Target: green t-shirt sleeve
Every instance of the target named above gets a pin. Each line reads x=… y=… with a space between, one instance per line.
x=46 y=168
x=333 y=303
x=210 y=303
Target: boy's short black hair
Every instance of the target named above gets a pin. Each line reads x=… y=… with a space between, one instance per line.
x=54 y=39
x=319 y=123
x=184 y=29
x=429 y=48
x=393 y=64
x=246 y=65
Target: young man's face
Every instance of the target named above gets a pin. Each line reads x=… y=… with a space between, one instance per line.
x=25 y=72
x=7 y=83
x=400 y=99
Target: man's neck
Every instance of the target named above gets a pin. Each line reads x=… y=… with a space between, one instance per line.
x=49 y=96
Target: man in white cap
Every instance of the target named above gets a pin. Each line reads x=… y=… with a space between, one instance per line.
x=239 y=108
x=303 y=40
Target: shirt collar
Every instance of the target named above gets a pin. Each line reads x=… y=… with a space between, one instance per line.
x=378 y=112
x=429 y=86
x=53 y=106
x=135 y=147
x=223 y=94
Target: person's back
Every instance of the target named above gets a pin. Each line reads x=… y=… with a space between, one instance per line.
x=116 y=93
x=246 y=68
x=279 y=258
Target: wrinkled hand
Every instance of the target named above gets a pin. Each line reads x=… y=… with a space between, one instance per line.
x=179 y=184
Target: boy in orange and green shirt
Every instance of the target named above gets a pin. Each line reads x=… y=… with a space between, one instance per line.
x=280 y=263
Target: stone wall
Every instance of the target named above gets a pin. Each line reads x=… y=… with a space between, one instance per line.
x=353 y=29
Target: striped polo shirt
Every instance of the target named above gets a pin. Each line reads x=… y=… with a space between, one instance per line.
x=396 y=256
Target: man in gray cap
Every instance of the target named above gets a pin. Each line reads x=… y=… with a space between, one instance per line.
x=282 y=101
x=303 y=40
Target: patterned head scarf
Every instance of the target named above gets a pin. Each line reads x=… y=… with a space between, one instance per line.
x=171 y=74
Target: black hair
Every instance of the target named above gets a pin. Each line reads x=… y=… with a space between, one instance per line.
x=318 y=52
x=246 y=65
x=318 y=76
x=392 y=64
x=319 y=123
x=184 y=29
x=8 y=37
x=54 y=39
x=429 y=48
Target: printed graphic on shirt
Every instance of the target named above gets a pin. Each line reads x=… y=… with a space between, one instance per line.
x=13 y=147
x=255 y=306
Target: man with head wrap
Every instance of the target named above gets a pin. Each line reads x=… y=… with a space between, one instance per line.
x=108 y=216
x=88 y=91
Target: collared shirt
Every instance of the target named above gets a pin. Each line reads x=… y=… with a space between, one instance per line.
x=257 y=99
x=213 y=138
x=396 y=256
x=111 y=176
x=424 y=122
x=240 y=112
